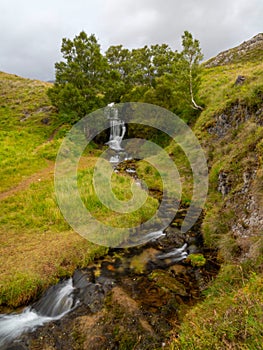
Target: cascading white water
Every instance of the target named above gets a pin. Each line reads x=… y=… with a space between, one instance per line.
x=117 y=129
x=12 y=326
x=176 y=255
x=54 y=305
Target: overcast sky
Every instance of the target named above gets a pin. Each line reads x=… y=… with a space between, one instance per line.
x=31 y=31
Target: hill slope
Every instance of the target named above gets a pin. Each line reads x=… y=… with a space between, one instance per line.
x=37 y=246
x=230 y=129
x=231 y=132
x=249 y=51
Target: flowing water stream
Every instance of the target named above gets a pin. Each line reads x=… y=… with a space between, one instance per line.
x=150 y=281
x=85 y=288
x=56 y=303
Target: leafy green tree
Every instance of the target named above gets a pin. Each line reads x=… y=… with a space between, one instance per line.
x=177 y=78
x=119 y=65
x=79 y=86
x=163 y=93
x=87 y=80
x=187 y=70
x=142 y=72
x=163 y=59
x=119 y=60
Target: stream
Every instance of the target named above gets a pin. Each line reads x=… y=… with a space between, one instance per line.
x=57 y=301
x=130 y=296
x=133 y=298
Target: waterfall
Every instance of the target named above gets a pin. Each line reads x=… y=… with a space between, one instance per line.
x=57 y=301
x=117 y=131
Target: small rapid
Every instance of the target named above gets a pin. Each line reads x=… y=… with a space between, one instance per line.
x=55 y=303
x=142 y=275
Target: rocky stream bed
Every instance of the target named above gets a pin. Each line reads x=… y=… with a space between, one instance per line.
x=133 y=298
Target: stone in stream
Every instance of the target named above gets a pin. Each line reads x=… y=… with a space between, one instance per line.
x=164 y=280
x=146 y=278
x=90 y=292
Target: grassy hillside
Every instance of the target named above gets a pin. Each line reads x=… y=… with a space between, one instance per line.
x=231 y=132
x=37 y=246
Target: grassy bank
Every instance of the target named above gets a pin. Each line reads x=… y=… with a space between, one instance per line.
x=231 y=133
x=37 y=246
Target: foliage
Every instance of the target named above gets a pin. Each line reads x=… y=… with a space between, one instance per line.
x=87 y=80
x=188 y=71
x=177 y=85
x=33 y=231
x=80 y=78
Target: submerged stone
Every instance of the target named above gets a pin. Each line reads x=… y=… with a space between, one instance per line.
x=164 y=280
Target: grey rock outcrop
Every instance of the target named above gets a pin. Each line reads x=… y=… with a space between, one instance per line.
x=231 y=55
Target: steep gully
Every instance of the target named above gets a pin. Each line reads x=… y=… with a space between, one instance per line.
x=131 y=298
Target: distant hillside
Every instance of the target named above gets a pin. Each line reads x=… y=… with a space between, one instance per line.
x=250 y=50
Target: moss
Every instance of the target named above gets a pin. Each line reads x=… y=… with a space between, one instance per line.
x=196 y=260
x=231 y=318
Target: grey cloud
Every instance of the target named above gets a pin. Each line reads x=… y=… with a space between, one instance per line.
x=31 y=31
x=217 y=24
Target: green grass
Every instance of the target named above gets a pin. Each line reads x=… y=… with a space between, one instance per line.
x=34 y=232
x=218 y=91
x=23 y=107
x=153 y=178
x=230 y=316
x=121 y=187
x=37 y=245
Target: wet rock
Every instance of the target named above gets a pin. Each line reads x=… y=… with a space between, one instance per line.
x=174 y=238
x=164 y=280
x=193 y=249
x=240 y=80
x=92 y=296
x=82 y=278
x=140 y=263
x=175 y=255
x=57 y=300
x=178 y=270
x=128 y=299
x=89 y=292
